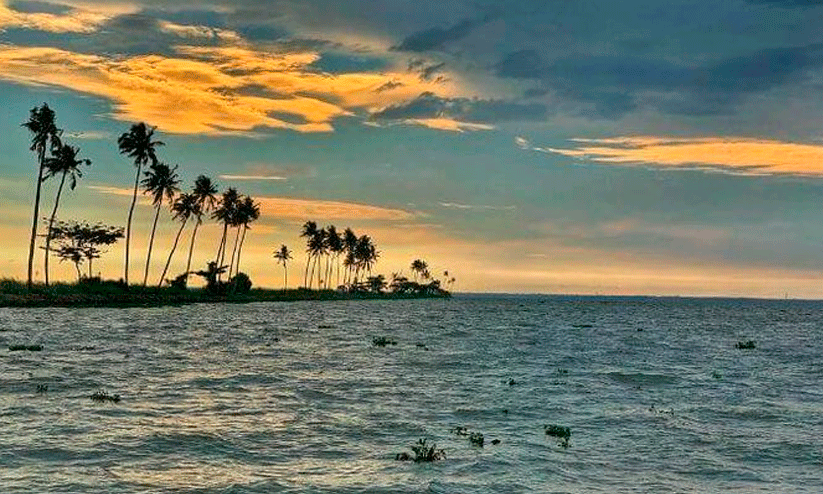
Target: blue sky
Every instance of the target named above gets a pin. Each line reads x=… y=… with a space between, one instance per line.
x=565 y=147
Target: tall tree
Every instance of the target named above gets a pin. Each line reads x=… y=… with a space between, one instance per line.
x=349 y=244
x=317 y=245
x=249 y=213
x=63 y=162
x=283 y=255
x=334 y=247
x=139 y=145
x=418 y=267
x=225 y=213
x=309 y=231
x=206 y=193
x=183 y=208
x=160 y=181
x=45 y=135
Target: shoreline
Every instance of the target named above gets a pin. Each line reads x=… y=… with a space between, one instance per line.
x=153 y=297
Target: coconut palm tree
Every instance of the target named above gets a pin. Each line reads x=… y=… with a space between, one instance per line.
x=139 y=145
x=317 y=247
x=225 y=213
x=349 y=244
x=418 y=267
x=365 y=254
x=183 y=208
x=161 y=181
x=63 y=162
x=205 y=192
x=45 y=135
x=283 y=255
x=309 y=231
x=249 y=213
x=334 y=246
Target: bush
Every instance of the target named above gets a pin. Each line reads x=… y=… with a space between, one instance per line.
x=240 y=284
x=423 y=453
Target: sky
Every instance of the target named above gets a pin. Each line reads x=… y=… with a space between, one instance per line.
x=587 y=147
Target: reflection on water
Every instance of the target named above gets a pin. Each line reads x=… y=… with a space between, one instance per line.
x=296 y=398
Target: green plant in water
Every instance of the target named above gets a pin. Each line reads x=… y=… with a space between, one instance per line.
x=102 y=396
x=423 y=452
x=560 y=432
x=746 y=345
x=25 y=348
x=476 y=439
x=382 y=341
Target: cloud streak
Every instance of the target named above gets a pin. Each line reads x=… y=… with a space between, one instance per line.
x=724 y=154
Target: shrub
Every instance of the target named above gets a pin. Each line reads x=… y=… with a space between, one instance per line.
x=240 y=284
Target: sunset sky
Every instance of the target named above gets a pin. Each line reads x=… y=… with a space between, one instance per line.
x=589 y=146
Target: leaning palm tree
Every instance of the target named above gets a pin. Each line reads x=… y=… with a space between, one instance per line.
x=205 y=192
x=137 y=143
x=317 y=246
x=161 y=181
x=349 y=244
x=334 y=246
x=309 y=231
x=45 y=135
x=225 y=213
x=283 y=255
x=183 y=208
x=418 y=267
x=63 y=162
x=249 y=213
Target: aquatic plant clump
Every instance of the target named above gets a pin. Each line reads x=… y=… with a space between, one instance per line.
x=423 y=453
x=382 y=341
x=476 y=439
x=25 y=348
x=103 y=396
x=560 y=432
x=746 y=345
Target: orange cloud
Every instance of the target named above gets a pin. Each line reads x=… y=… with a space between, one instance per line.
x=81 y=20
x=222 y=90
x=728 y=155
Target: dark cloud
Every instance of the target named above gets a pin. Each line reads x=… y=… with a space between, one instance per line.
x=611 y=83
x=33 y=7
x=435 y=38
x=429 y=105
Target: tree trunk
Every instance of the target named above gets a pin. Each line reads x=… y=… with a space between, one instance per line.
x=41 y=157
x=151 y=243
x=285 y=276
x=79 y=275
x=234 y=252
x=191 y=249
x=221 y=250
x=173 y=248
x=51 y=225
x=311 y=276
x=306 y=274
x=240 y=250
x=128 y=222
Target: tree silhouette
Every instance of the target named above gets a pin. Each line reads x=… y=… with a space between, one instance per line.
x=205 y=192
x=45 y=135
x=248 y=213
x=225 y=213
x=63 y=162
x=317 y=247
x=309 y=231
x=79 y=241
x=334 y=248
x=161 y=181
x=137 y=144
x=283 y=255
x=419 y=267
x=349 y=244
x=182 y=209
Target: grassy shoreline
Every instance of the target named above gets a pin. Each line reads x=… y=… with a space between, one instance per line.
x=15 y=294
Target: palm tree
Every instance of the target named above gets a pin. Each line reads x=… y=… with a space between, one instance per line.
x=205 y=192
x=283 y=255
x=418 y=267
x=334 y=245
x=365 y=255
x=186 y=206
x=161 y=181
x=309 y=231
x=45 y=135
x=349 y=244
x=63 y=162
x=317 y=247
x=225 y=213
x=249 y=213
x=137 y=143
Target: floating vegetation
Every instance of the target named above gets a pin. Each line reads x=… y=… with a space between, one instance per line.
x=562 y=372
x=42 y=388
x=582 y=326
x=746 y=345
x=460 y=431
x=325 y=326
x=476 y=439
x=495 y=441
x=421 y=345
x=422 y=453
x=25 y=348
x=382 y=341
x=505 y=411
x=560 y=432
x=102 y=396
x=717 y=375
x=512 y=382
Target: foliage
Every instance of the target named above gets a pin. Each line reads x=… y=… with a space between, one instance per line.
x=423 y=453
x=240 y=284
x=102 y=396
x=26 y=348
x=476 y=439
x=81 y=241
x=382 y=341
x=560 y=432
